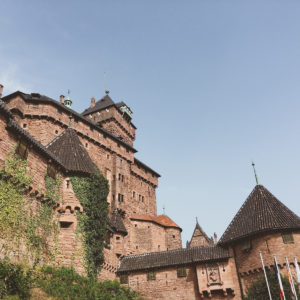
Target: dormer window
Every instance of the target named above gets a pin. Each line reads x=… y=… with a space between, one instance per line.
x=22 y=150
x=51 y=171
x=90 y=116
x=107 y=109
x=287 y=238
x=98 y=113
x=247 y=246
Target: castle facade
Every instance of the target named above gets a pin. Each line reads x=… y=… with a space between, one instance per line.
x=145 y=250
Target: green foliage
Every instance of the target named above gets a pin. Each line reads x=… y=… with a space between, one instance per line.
x=92 y=192
x=18 y=220
x=259 y=291
x=62 y=283
x=65 y=283
x=53 y=187
x=14 y=280
x=13 y=182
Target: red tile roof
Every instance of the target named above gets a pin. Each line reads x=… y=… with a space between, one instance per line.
x=162 y=220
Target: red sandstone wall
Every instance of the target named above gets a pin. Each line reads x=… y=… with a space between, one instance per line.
x=166 y=286
x=250 y=266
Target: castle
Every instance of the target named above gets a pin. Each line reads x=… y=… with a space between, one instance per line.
x=145 y=250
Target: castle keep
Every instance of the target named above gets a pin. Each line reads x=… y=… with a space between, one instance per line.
x=145 y=249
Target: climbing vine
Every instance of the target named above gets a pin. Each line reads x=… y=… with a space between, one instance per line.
x=13 y=182
x=23 y=218
x=41 y=225
x=92 y=192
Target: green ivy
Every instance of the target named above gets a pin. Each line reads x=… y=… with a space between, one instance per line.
x=13 y=181
x=53 y=187
x=41 y=225
x=92 y=192
x=23 y=218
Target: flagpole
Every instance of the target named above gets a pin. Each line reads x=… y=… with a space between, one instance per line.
x=262 y=262
x=291 y=278
x=297 y=270
x=279 y=279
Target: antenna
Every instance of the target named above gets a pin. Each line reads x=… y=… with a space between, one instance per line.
x=104 y=81
x=253 y=165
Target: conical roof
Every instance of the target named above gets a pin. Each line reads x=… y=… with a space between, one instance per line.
x=117 y=224
x=70 y=151
x=261 y=212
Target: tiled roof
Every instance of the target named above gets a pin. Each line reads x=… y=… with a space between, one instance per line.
x=70 y=151
x=261 y=212
x=12 y=125
x=105 y=102
x=173 y=258
x=116 y=223
x=35 y=97
x=162 y=220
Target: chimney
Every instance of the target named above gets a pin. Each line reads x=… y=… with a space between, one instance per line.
x=62 y=99
x=1 y=90
x=93 y=102
x=215 y=238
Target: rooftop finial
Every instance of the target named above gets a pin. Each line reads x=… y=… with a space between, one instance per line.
x=253 y=165
x=164 y=210
x=105 y=89
x=68 y=102
x=197 y=220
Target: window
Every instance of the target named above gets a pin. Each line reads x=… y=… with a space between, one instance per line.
x=117 y=238
x=120 y=176
x=24 y=125
x=151 y=276
x=56 y=131
x=107 y=156
x=35 y=105
x=133 y=194
x=287 y=238
x=246 y=247
x=181 y=272
x=173 y=236
x=51 y=171
x=124 y=278
x=67 y=184
x=59 y=111
x=120 y=198
x=22 y=150
x=86 y=145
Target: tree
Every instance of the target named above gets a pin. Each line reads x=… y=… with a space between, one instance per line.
x=259 y=290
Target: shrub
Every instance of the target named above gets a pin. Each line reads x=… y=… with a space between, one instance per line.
x=259 y=290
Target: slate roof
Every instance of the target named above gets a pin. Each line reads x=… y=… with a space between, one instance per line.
x=170 y=258
x=261 y=212
x=70 y=151
x=162 y=220
x=105 y=102
x=35 y=97
x=116 y=223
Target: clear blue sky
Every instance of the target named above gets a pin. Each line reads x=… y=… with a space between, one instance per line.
x=212 y=84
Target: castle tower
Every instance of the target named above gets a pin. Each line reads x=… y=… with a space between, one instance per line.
x=114 y=117
x=263 y=224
